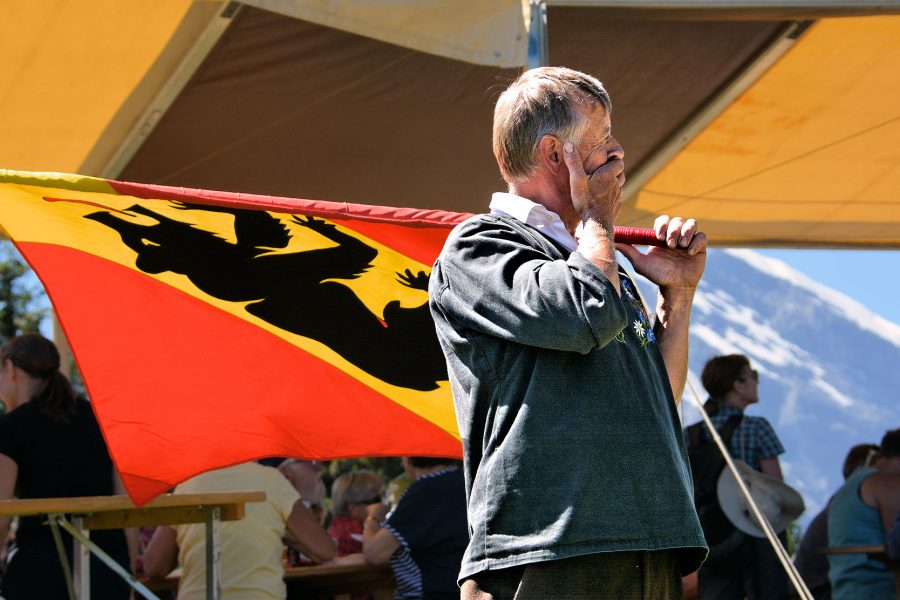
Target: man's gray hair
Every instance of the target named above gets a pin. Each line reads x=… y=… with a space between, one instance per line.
x=542 y=101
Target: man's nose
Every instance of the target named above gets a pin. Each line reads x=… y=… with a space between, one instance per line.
x=615 y=149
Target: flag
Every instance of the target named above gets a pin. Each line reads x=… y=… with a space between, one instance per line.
x=212 y=328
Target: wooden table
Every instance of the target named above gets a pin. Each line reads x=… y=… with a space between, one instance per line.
x=875 y=552
x=115 y=512
x=339 y=582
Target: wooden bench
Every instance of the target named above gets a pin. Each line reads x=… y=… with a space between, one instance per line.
x=873 y=552
x=81 y=514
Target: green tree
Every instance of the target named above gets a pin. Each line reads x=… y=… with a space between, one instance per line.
x=21 y=296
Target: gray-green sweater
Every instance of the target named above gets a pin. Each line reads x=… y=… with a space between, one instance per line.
x=571 y=437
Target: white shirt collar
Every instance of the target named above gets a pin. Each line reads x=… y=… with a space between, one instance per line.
x=535 y=215
x=545 y=221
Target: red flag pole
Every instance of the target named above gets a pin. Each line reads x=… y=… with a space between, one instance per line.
x=638 y=236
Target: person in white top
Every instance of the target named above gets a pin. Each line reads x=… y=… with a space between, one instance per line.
x=251 y=548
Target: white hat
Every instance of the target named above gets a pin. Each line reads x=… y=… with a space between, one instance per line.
x=778 y=501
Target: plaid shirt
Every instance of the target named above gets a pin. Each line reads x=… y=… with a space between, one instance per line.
x=347 y=534
x=753 y=441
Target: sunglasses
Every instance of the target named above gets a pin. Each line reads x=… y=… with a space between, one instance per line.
x=754 y=374
x=372 y=500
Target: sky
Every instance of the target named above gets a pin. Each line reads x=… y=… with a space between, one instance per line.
x=871 y=277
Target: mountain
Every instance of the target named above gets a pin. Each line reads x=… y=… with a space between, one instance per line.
x=829 y=367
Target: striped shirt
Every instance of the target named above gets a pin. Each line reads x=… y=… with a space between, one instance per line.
x=430 y=524
x=753 y=441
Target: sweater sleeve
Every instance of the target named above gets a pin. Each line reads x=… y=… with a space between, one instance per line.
x=490 y=278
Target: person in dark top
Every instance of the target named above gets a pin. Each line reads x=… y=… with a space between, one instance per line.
x=425 y=536
x=752 y=569
x=892 y=544
x=810 y=562
x=50 y=446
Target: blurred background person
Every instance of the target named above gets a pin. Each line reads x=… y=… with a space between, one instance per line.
x=425 y=536
x=862 y=512
x=306 y=477
x=51 y=447
x=752 y=569
x=351 y=495
x=810 y=562
x=892 y=544
x=251 y=548
x=397 y=486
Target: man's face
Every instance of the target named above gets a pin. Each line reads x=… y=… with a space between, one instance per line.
x=598 y=146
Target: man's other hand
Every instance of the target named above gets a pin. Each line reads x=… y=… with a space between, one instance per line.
x=597 y=196
x=680 y=263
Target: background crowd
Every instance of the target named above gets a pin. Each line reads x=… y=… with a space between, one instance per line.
x=415 y=522
x=51 y=446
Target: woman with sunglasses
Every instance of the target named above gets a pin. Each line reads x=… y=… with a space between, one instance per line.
x=351 y=495
x=752 y=569
x=733 y=386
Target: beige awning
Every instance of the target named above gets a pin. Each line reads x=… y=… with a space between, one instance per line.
x=769 y=130
x=70 y=68
x=809 y=155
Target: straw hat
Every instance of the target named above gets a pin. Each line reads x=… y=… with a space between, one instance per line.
x=779 y=502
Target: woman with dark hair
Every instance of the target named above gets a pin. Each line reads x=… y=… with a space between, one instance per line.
x=425 y=536
x=733 y=386
x=50 y=446
x=752 y=569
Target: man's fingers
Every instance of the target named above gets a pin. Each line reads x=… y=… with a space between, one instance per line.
x=680 y=233
x=578 y=180
x=688 y=230
x=698 y=244
x=609 y=171
x=573 y=162
x=673 y=231
x=609 y=175
x=660 y=225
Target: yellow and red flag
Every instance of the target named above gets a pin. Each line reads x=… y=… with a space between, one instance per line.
x=213 y=328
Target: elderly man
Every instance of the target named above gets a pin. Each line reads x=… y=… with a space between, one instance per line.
x=576 y=474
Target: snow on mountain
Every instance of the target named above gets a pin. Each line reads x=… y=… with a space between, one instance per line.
x=829 y=367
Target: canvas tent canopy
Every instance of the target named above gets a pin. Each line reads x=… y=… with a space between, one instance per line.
x=774 y=123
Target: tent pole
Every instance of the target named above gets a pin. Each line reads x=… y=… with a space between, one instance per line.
x=538 y=52
x=170 y=90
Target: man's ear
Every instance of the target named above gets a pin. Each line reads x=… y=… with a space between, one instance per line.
x=550 y=154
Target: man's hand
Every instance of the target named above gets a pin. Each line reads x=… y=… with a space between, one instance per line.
x=597 y=196
x=678 y=265
x=676 y=269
